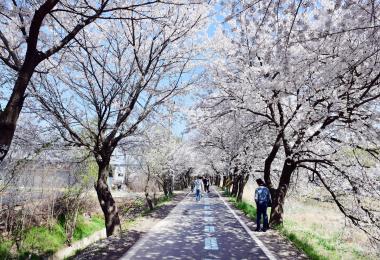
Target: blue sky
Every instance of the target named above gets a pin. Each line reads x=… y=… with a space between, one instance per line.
x=180 y=124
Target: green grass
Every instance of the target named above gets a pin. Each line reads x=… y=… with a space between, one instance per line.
x=247 y=208
x=5 y=247
x=43 y=241
x=319 y=246
x=126 y=224
x=161 y=200
x=303 y=244
x=226 y=193
x=85 y=228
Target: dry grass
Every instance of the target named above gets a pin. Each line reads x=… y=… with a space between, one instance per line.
x=320 y=227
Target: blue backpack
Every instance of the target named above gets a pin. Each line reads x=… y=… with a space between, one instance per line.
x=262 y=195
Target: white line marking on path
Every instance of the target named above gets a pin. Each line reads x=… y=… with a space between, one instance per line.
x=206 y=207
x=211 y=243
x=207 y=212
x=208 y=219
x=250 y=232
x=209 y=229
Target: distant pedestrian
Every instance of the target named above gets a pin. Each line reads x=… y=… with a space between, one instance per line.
x=263 y=200
x=206 y=184
x=192 y=184
x=198 y=188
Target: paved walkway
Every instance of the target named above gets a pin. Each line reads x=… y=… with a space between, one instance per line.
x=114 y=247
x=208 y=229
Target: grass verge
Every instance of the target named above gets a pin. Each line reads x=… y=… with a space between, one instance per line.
x=43 y=240
x=5 y=247
x=160 y=201
x=315 y=245
x=85 y=228
x=139 y=210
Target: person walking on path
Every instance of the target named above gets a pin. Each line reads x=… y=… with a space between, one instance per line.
x=206 y=183
x=198 y=188
x=263 y=200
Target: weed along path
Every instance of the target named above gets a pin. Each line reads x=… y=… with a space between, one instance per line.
x=208 y=229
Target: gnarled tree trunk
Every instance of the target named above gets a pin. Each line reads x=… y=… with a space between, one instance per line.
x=188 y=178
x=171 y=185
x=25 y=69
x=224 y=184
x=217 y=180
x=165 y=189
x=149 y=201
x=241 y=184
x=278 y=196
x=9 y=117
x=107 y=203
x=235 y=184
x=229 y=182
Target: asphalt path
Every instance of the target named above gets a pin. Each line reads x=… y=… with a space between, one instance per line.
x=208 y=229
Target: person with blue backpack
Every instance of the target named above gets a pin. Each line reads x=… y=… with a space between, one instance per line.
x=263 y=201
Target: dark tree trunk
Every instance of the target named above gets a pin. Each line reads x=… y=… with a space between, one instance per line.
x=235 y=185
x=224 y=181
x=217 y=180
x=267 y=178
x=268 y=163
x=149 y=201
x=167 y=185
x=9 y=117
x=229 y=182
x=278 y=196
x=155 y=200
x=187 y=179
x=242 y=182
x=25 y=69
x=171 y=185
x=165 y=188
x=107 y=203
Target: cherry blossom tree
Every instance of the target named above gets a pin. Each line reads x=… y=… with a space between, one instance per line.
x=308 y=79
x=32 y=33
x=115 y=80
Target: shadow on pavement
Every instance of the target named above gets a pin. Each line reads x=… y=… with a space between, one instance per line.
x=183 y=235
x=115 y=247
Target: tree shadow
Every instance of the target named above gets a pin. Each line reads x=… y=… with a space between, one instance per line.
x=115 y=247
